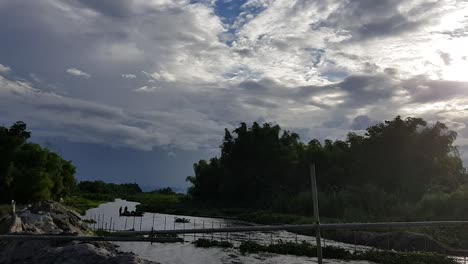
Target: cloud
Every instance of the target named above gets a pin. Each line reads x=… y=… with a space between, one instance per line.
x=77 y=72
x=4 y=69
x=86 y=121
x=163 y=76
x=423 y=89
x=318 y=67
x=445 y=57
x=146 y=89
x=129 y=76
x=362 y=122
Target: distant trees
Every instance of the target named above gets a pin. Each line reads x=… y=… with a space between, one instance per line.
x=113 y=189
x=28 y=172
x=166 y=190
x=392 y=166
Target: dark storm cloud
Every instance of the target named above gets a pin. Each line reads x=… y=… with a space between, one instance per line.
x=358 y=90
x=114 y=8
x=260 y=103
x=83 y=109
x=362 y=122
x=425 y=90
x=337 y=122
x=367 y=19
x=257 y=86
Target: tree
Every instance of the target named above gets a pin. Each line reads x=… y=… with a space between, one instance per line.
x=396 y=162
x=28 y=172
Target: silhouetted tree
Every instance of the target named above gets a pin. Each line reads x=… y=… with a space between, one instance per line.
x=394 y=162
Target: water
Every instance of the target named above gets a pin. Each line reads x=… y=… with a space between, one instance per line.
x=181 y=253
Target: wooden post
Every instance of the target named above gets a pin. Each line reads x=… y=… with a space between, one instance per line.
x=354 y=234
x=313 y=182
x=125 y=228
x=141 y=220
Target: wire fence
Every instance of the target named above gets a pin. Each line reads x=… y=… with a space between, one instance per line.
x=399 y=236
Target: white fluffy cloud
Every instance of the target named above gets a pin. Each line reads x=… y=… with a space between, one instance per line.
x=77 y=72
x=129 y=76
x=4 y=69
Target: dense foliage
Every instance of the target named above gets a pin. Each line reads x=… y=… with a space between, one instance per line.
x=166 y=190
x=401 y=167
x=29 y=172
x=113 y=189
x=207 y=243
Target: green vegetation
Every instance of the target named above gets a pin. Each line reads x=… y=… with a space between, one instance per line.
x=167 y=190
x=81 y=204
x=410 y=169
x=206 y=243
x=108 y=189
x=28 y=172
x=331 y=252
x=299 y=249
x=90 y=194
x=4 y=210
x=155 y=202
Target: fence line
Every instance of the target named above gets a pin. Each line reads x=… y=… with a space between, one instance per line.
x=260 y=228
x=90 y=238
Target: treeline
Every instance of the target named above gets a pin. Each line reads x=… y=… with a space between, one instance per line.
x=28 y=172
x=114 y=189
x=154 y=201
x=401 y=168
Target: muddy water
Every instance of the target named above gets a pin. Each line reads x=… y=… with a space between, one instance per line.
x=181 y=253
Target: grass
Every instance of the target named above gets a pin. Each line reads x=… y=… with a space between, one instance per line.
x=81 y=204
x=4 y=210
x=207 y=243
x=155 y=202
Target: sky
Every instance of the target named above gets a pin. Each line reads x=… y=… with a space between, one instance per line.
x=139 y=90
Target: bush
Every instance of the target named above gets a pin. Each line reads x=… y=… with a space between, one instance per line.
x=206 y=243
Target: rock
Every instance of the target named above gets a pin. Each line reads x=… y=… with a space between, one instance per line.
x=53 y=218
x=39 y=223
x=11 y=224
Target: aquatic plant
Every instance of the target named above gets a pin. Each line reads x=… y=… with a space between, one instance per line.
x=206 y=243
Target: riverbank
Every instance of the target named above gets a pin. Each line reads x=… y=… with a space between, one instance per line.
x=440 y=240
x=402 y=240
x=57 y=219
